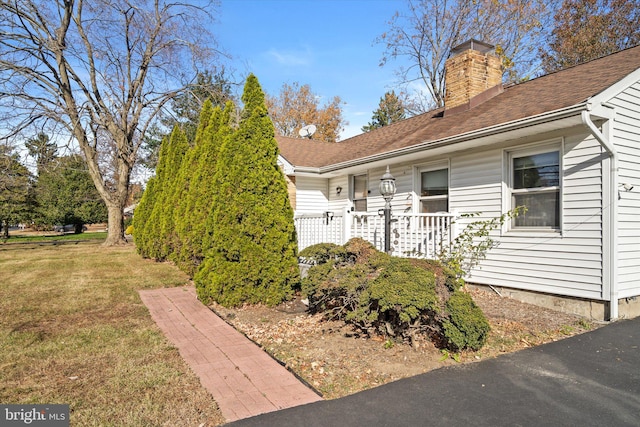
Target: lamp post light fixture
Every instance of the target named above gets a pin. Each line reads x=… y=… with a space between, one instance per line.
x=387 y=190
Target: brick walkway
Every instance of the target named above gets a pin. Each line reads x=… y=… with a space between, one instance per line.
x=243 y=379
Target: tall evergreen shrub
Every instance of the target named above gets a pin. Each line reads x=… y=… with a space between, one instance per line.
x=160 y=228
x=143 y=229
x=184 y=187
x=253 y=255
x=197 y=207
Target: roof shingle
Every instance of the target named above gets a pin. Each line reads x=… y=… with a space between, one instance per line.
x=544 y=94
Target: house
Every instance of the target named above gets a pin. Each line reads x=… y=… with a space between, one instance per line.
x=566 y=145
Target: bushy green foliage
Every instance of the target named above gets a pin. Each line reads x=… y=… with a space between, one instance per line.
x=321 y=253
x=66 y=194
x=389 y=296
x=403 y=290
x=153 y=218
x=467 y=326
x=15 y=190
x=198 y=237
x=396 y=299
x=164 y=210
x=370 y=289
x=445 y=276
x=184 y=189
x=141 y=217
x=253 y=255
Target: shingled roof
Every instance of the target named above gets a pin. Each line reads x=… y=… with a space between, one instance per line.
x=551 y=92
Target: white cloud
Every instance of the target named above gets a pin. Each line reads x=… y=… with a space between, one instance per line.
x=291 y=58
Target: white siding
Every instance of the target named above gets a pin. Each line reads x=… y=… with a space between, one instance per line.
x=626 y=137
x=567 y=263
x=476 y=184
x=311 y=195
x=338 y=202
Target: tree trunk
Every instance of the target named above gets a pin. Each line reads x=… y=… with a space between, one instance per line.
x=115 y=235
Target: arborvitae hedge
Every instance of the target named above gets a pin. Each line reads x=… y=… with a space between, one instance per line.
x=143 y=227
x=141 y=217
x=184 y=187
x=197 y=204
x=253 y=256
x=218 y=134
x=160 y=227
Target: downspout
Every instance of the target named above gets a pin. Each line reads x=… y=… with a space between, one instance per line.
x=613 y=205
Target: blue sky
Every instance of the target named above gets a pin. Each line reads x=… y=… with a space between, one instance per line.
x=327 y=44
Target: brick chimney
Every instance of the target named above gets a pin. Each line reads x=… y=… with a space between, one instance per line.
x=471 y=70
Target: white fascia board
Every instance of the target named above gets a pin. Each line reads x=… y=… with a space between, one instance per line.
x=597 y=103
x=286 y=166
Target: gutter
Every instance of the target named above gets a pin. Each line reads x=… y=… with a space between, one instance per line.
x=484 y=132
x=613 y=206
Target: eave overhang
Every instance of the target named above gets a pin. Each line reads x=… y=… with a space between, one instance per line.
x=542 y=123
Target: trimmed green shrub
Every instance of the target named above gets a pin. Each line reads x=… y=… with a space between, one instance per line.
x=394 y=297
x=467 y=326
x=397 y=299
x=370 y=289
x=445 y=276
x=321 y=253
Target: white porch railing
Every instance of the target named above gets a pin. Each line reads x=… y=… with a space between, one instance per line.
x=323 y=227
x=412 y=235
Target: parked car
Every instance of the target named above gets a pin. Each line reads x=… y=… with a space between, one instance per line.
x=68 y=228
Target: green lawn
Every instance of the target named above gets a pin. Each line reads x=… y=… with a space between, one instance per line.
x=97 y=236
x=73 y=330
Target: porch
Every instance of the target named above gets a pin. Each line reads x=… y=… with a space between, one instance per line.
x=412 y=235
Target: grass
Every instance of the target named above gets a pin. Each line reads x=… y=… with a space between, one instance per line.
x=98 y=235
x=73 y=330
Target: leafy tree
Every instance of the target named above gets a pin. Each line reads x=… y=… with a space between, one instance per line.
x=426 y=35
x=297 y=106
x=589 y=29
x=390 y=110
x=65 y=194
x=42 y=150
x=101 y=70
x=15 y=190
x=253 y=257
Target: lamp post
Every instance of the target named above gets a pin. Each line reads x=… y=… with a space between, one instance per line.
x=387 y=190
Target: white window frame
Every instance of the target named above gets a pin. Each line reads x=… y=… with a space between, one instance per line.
x=417 y=184
x=517 y=152
x=352 y=191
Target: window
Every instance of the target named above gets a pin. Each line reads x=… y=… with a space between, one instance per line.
x=360 y=186
x=434 y=191
x=536 y=185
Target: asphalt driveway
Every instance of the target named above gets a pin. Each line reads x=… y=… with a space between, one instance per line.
x=591 y=379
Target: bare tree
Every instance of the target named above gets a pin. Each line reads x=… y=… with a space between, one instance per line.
x=100 y=70
x=426 y=34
